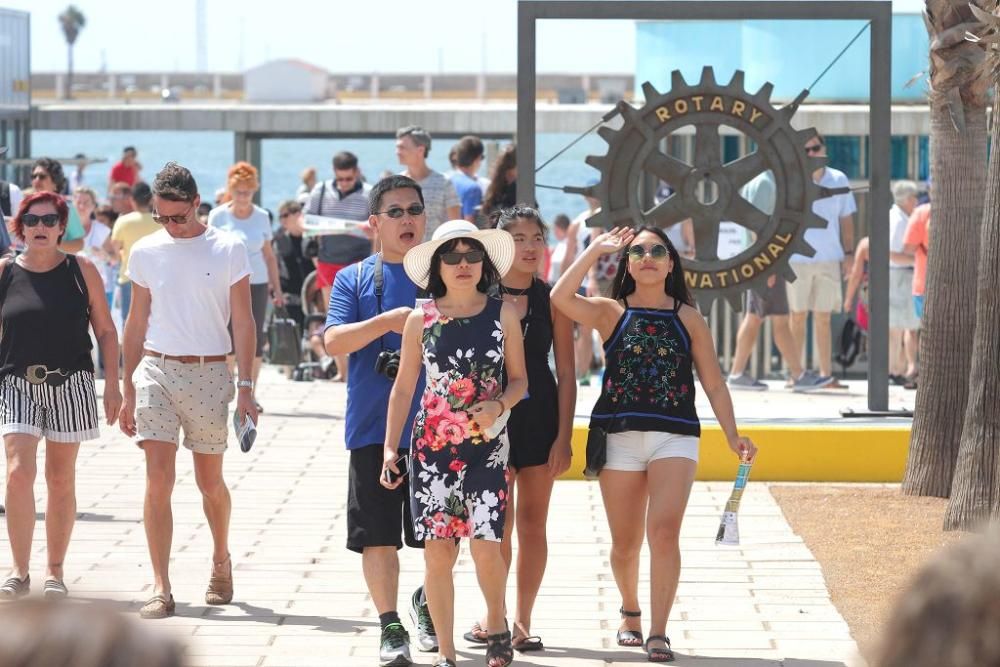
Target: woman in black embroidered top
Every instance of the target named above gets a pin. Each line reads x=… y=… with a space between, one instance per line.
x=653 y=341
x=48 y=301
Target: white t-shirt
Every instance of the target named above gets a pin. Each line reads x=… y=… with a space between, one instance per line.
x=898 y=220
x=254 y=231
x=93 y=249
x=826 y=240
x=189 y=281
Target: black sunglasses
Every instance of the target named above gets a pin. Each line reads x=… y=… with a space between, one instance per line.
x=470 y=257
x=396 y=213
x=49 y=219
x=657 y=251
x=176 y=219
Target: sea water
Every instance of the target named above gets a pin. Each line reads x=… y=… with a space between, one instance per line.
x=209 y=154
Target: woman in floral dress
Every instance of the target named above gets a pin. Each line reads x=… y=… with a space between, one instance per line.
x=654 y=340
x=472 y=351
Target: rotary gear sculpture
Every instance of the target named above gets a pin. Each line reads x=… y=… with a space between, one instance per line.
x=634 y=150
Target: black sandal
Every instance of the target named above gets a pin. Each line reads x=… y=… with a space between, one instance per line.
x=629 y=638
x=658 y=653
x=498 y=647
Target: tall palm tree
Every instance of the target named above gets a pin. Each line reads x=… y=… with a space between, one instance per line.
x=958 y=96
x=72 y=21
x=975 y=495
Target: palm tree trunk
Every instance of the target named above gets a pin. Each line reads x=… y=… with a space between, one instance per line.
x=69 y=72
x=974 y=493
x=958 y=151
x=950 y=308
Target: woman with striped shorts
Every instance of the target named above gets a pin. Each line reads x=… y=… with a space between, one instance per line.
x=48 y=301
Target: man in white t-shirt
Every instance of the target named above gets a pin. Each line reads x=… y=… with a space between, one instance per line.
x=818 y=286
x=413 y=145
x=188 y=279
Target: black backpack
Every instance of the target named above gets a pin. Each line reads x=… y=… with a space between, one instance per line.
x=851 y=336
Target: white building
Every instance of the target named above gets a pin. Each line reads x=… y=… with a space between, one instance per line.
x=285 y=81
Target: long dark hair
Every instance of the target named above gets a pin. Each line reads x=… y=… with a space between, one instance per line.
x=489 y=278
x=674 y=284
x=499 y=193
x=505 y=218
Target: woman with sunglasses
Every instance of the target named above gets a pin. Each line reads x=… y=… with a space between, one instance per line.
x=48 y=302
x=470 y=345
x=252 y=224
x=654 y=341
x=540 y=427
x=47 y=176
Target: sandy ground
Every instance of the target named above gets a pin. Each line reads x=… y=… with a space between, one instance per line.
x=869 y=539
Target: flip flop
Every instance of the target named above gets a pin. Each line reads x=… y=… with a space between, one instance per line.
x=524 y=642
x=476 y=635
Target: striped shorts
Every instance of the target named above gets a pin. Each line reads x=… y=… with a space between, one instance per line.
x=64 y=413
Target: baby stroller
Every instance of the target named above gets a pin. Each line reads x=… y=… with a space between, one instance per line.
x=315 y=364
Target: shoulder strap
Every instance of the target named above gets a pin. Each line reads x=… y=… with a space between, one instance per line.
x=322 y=194
x=5 y=200
x=6 y=275
x=677 y=304
x=81 y=282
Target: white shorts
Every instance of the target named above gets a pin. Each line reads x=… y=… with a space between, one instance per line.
x=818 y=287
x=633 y=451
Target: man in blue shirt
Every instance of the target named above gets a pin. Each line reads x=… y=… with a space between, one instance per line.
x=468 y=159
x=365 y=325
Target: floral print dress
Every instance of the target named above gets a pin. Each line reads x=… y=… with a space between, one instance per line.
x=458 y=483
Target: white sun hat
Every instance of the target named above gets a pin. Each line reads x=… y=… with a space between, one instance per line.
x=499 y=246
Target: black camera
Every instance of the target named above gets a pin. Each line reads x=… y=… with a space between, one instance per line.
x=387 y=363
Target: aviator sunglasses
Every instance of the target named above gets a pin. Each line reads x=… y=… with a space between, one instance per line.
x=176 y=219
x=395 y=212
x=470 y=257
x=657 y=252
x=49 y=219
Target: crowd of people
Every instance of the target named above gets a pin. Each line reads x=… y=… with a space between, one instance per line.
x=457 y=330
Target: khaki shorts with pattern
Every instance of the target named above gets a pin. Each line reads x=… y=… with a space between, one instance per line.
x=170 y=396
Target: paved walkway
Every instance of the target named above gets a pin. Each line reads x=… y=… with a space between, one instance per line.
x=301 y=599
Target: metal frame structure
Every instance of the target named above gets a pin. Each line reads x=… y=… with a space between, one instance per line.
x=878 y=12
x=15 y=121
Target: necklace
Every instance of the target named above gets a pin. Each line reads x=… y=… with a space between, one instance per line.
x=515 y=293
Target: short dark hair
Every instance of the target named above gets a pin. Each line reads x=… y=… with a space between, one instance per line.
x=141 y=193
x=55 y=171
x=175 y=183
x=468 y=149
x=129 y=149
x=419 y=135
x=561 y=221
x=289 y=206
x=435 y=285
x=345 y=160
x=388 y=184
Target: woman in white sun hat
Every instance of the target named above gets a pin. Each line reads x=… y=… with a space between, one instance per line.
x=472 y=351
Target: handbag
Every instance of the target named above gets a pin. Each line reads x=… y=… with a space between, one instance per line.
x=284 y=339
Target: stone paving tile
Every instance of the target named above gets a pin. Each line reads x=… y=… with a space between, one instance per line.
x=301 y=600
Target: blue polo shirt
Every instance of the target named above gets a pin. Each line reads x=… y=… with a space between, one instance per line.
x=353 y=300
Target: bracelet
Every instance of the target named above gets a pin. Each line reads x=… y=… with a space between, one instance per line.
x=503 y=408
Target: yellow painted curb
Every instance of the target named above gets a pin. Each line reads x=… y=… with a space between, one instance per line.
x=800 y=453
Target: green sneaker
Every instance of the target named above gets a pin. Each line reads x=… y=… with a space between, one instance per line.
x=421 y=615
x=394 y=647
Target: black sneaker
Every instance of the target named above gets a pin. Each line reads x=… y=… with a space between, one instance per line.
x=394 y=647
x=421 y=615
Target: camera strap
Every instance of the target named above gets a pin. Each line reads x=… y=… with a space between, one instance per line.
x=379 y=284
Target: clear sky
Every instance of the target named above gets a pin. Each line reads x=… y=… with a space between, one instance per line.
x=341 y=36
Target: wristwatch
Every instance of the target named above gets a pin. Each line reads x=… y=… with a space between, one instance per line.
x=245 y=383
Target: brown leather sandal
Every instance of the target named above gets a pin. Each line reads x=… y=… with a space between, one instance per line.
x=158 y=606
x=220 y=588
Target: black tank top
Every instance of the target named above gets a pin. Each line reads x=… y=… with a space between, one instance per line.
x=648 y=380
x=45 y=319
x=536 y=418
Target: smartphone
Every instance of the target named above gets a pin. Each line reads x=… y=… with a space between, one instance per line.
x=402 y=463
